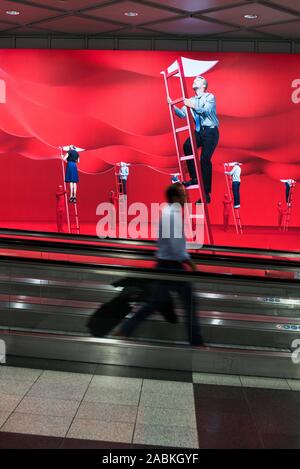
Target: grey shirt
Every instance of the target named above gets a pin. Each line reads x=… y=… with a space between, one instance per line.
x=172 y=242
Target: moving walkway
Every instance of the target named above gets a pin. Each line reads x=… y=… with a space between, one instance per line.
x=249 y=306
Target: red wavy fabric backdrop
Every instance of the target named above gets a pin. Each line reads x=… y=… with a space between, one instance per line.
x=113 y=104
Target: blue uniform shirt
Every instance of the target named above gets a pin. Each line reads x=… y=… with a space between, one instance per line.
x=205 y=112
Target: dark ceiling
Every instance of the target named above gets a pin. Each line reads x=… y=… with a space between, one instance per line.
x=213 y=18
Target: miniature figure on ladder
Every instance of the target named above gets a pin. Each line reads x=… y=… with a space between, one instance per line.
x=234 y=188
x=290 y=186
x=70 y=176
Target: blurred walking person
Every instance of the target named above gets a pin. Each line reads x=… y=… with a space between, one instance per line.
x=172 y=256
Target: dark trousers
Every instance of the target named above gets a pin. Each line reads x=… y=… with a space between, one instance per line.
x=287 y=192
x=207 y=139
x=124 y=184
x=236 y=192
x=157 y=296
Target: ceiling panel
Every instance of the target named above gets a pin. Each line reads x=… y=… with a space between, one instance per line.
x=292 y=4
x=286 y=31
x=28 y=13
x=78 y=25
x=190 y=26
x=176 y=17
x=197 y=5
x=66 y=5
x=26 y=30
x=115 y=12
x=235 y=15
x=246 y=34
x=4 y=26
x=136 y=31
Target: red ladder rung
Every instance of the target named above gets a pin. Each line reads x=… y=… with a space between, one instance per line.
x=171 y=74
x=197 y=216
x=187 y=157
x=177 y=101
x=182 y=129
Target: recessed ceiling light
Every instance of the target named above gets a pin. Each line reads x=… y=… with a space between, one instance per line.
x=131 y=13
x=12 y=12
x=251 y=17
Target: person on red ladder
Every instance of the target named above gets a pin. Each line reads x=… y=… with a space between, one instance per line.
x=235 y=174
x=60 y=208
x=203 y=109
x=226 y=211
x=72 y=158
x=123 y=176
x=289 y=183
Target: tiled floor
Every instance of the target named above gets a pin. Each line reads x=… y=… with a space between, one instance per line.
x=110 y=407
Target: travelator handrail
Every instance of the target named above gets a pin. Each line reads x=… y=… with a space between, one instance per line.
x=144 y=273
x=144 y=242
x=64 y=247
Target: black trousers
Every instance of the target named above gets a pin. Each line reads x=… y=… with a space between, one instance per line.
x=236 y=192
x=287 y=192
x=158 y=294
x=124 y=184
x=208 y=140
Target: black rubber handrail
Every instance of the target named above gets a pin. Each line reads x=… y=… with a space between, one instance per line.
x=142 y=272
x=139 y=242
x=143 y=254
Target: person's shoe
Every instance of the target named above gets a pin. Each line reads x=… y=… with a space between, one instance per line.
x=191 y=182
x=237 y=206
x=120 y=334
x=199 y=201
x=208 y=199
x=198 y=342
x=74 y=200
x=71 y=200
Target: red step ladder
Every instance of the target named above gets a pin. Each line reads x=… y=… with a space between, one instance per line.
x=71 y=208
x=287 y=215
x=235 y=211
x=73 y=218
x=199 y=188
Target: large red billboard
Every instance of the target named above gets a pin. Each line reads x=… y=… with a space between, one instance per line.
x=113 y=105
